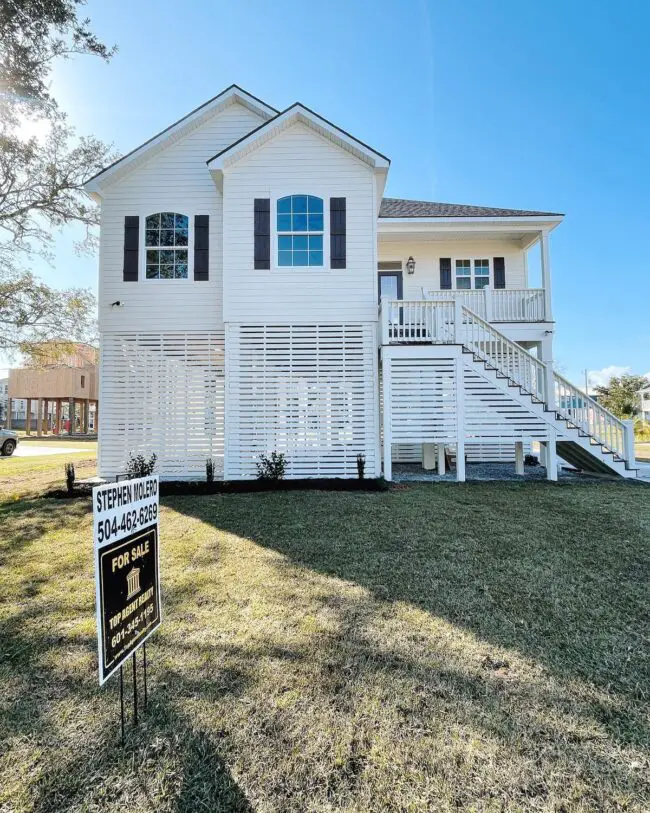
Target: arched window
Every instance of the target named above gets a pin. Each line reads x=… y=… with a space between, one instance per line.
x=166 y=241
x=300 y=226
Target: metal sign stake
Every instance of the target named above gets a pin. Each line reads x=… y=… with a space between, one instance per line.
x=144 y=663
x=122 y=701
x=135 y=692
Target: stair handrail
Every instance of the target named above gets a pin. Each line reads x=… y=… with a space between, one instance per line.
x=584 y=412
x=510 y=360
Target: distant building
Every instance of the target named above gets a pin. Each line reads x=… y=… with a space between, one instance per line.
x=60 y=395
x=644 y=403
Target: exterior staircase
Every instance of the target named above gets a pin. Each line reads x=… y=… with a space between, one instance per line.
x=588 y=436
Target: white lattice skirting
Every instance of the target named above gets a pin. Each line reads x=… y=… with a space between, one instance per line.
x=162 y=393
x=307 y=391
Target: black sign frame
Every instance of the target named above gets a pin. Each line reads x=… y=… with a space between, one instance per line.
x=128 y=595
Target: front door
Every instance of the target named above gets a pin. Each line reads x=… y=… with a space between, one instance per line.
x=390 y=288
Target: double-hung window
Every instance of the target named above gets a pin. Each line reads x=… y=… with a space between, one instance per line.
x=472 y=274
x=166 y=243
x=300 y=228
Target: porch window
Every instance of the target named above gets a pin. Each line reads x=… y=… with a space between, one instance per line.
x=472 y=274
x=166 y=243
x=300 y=226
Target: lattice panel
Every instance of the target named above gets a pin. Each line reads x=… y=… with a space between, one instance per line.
x=493 y=416
x=307 y=391
x=423 y=400
x=162 y=393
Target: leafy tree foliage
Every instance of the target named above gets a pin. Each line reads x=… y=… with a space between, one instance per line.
x=41 y=178
x=620 y=396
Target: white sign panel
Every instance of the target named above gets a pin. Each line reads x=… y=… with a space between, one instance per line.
x=125 y=530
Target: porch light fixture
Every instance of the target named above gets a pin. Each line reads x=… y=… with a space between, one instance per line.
x=410 y=265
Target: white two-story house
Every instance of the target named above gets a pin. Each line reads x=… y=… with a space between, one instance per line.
x=258 y=293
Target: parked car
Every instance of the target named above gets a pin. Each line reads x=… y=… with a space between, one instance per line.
x=8 y=442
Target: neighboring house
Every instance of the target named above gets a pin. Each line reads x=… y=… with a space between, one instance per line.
x=644 y=404
x=60 y=394
x=257 y=293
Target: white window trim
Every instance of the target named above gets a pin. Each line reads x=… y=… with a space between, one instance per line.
x=472 y=274
x=142 y=261
x=300 y=269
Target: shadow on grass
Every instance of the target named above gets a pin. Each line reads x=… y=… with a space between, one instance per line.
x=558 y=574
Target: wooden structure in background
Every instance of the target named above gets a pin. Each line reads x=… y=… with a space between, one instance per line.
x=66 y=392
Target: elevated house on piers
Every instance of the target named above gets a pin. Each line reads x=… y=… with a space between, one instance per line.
x=258 y=294
x=61 y=394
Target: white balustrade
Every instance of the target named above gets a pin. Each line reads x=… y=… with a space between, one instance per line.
x=499 y=305
x=589 y=416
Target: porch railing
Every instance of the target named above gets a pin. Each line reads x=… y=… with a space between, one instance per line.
x=498 y=305
x=590 y=417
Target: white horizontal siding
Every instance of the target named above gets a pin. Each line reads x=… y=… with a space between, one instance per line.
x=427 y=260
x=474 y=452
x=299 y=161
x=176 y=179
x=163 y=394
x=306 y=391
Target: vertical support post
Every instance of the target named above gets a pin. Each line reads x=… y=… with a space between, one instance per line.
x=460 y=420
x=144 y=663
x=39 y=417
x=96 y=424
x=387 y=427
x=9 y=405
x=428 y=456
x=86 y=423
x=71 y=416
x=458 y=321
x=441 y=459
x=551 y=456
x=122 y=701
x=28 y=417
x=488 y=303
x=385 y=336
x=59 y=407
x=546 y=349
x=546 y=274
x=628 y=445
x=519 y=457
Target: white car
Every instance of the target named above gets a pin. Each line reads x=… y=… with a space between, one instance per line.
x=8 y=442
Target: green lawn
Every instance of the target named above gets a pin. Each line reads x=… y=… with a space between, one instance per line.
x=432 y=648
x=29 y=476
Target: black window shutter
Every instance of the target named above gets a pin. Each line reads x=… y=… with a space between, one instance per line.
x=499 y=265
x=131 y=245
x=337 y=233
x=201 y=247
x=445 y=273
x=262 y=234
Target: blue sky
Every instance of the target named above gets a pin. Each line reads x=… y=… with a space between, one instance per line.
x=501 y=103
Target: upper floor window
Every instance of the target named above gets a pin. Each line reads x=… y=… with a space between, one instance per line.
x=300 y=226
x=472 y=274
x=166 y=243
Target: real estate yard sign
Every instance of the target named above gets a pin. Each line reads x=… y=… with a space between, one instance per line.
x=125 y=530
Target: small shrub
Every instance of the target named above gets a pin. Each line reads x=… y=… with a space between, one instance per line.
x=531 y=460
x=139 y=466
x=271 y=467
x=209 y=470
x=70 y=477
x=361 y=466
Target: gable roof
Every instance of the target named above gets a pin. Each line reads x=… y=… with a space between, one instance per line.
x=230 y=95
x=294 y=113
x=397 y=207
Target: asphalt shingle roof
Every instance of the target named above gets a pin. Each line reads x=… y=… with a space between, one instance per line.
x=396 y=207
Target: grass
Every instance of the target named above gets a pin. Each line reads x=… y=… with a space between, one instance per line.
x=480 y=647
x=21 y=477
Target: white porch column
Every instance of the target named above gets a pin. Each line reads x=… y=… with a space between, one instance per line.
x=428 y=456
x=551 y=456
x=549 y=379
x=441 y=458
x=519 y=457
x=488 y=303
x=546 y=274
x=628 y=445
x=460 y=421
x=387 y=429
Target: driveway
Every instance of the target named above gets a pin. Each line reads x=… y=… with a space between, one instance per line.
x=34 y=450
